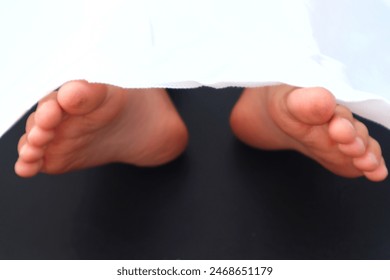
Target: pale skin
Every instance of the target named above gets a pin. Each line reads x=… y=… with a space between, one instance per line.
x=85 y=125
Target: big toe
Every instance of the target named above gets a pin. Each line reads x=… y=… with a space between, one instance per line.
x=311 y=106
x=81 y=97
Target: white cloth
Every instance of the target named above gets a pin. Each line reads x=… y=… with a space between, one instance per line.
x=342 y=45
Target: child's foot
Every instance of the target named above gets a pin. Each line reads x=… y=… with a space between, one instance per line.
x=85 y=125
x=308 y=120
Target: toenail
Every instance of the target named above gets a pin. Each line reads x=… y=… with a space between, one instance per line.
x=38 y=137
x=372 y=158
x=360 y=144
x=342 y=130
x=23 y=150
x=350 y=125
x=33 y=132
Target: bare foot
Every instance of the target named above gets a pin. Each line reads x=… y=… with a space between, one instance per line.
x=308 y=120
x=85 y=125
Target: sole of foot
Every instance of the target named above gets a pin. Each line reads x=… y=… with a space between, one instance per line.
x=85 y=125
x=309 y=121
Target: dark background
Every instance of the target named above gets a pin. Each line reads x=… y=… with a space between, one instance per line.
x=220 y=200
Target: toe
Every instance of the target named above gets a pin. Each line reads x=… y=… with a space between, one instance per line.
x=39 y=137
x=30 y=122
x=26 y=170
x=312 y=106
x=22 y=141
x=362 y=131
x=341 y=130
x=30 y=153
x=49 y=114
x=371 y=159
x=378 y=174
x=81 y=97
x=355 y=149
x=358 y=146
x=343 y=112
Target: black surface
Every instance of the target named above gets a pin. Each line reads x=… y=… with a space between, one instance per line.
x=220 y=200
